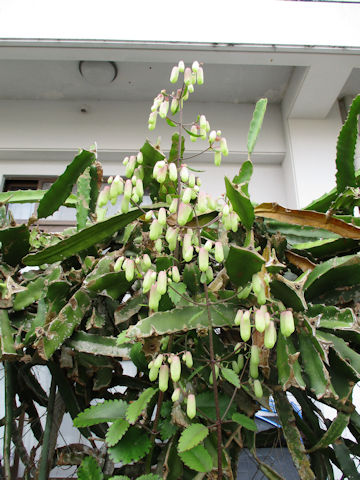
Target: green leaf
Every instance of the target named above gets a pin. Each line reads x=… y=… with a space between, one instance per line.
x=95 y=183
x=126 y=310
x=336 y=272
x=149 y=476
x=167 y=429
x=83 y=199
x=197 y=459
x=335 y=430
x=14 y=244
x=241 y=204
x=133 y=446
x=110 y=284
x=170 y=122
x=230 y=376
x=289 y=370
x=346 y=462
x=61 y=189
x=97 y=345
x=245 y=173
x=7 y=345
x=80 y=241
x=345 y=149
x=116 y=431
x=241 y=264
x=120 y=477
x=192 y=436
x=296 y=234
x=108 y=411
x=347 y=354
x=64 y=324
x=151 y=155
x=181 y=319
x=292 y=436
x=328 y=247
x=313 y=366
x=134 y=409
x=34 y=290
x=289 y=292
x=206 y=406
x=175 y=291
x=331 y=317
x=174 y=150
x=244 y=421
x=255 y=124
x=89 y=470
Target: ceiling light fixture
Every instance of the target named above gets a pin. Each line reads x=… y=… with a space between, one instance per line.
x=98 y=73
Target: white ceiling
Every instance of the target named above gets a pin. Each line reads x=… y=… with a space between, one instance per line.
x=61 y=80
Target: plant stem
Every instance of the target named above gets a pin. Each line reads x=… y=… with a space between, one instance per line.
x=212 y=362
x=9 y=382
x=153 y=436
x=44 y=459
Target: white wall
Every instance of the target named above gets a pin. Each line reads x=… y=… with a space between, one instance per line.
x=311 y=154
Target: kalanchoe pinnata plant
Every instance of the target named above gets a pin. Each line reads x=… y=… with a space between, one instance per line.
x=219 y=307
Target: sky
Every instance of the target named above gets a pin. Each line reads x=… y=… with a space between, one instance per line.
x=225 y=21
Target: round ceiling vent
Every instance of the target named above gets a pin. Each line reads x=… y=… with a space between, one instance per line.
x=98 y=73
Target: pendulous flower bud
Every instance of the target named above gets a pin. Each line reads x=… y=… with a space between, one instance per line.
x=130 y=167
x=200 y=76
x=238 y=317
x=235 y=367
x=270 y=335
x=181 y=66
x=260 y=320
x=128 y=189
x=155 y=230
x=171 y=238
x=258 y=389
x=172 y=172
x=240 y=361
x=224 y=147
x=174 y=105
x=254 y=355
x=287 y=325
x=158 y=245
x=153 y=373
x=140 y=158
x=216 y=367
x=186 y=198
x=245 y=327
x=162 y=216
x=173 y=205
x=124 y=207
x=118 y=264
x=193 y=130
x=195 y=66
x=203 y=259
x=187 y=252
x=175 y=368
x=158 y=360
x=148 y=280
x=254 y=370
x=164 y=108
x=219 y=252
x=154 y=298
x=152 y=120
x=146 y=262
x=174 y=76
x=217 y=159
x=202 y=202
x=187 y=358
x=192 y=180
x=162 y=282
x=139 y=188
x=187 y=76
x=184 y=214
x=175 y=274
x=176 y=395
x=184 y=174
x=202 y=122
x=212 y=137
x=208 y=245
x=129 y=268
x=191 y=406
x=103 y=197
x=163 y=378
